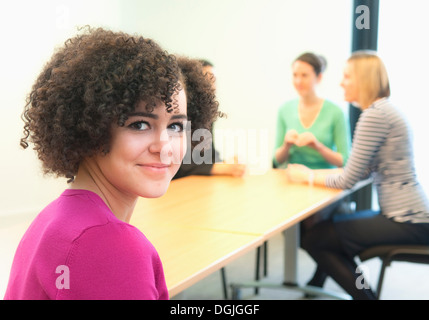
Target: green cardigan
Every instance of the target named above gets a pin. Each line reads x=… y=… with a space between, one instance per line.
x=329 y=128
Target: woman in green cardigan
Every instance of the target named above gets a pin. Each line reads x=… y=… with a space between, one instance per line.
x=311 y=131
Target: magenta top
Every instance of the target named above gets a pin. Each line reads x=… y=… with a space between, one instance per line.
x=77 y=249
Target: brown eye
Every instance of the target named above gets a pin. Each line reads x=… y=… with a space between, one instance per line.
x=139 y=125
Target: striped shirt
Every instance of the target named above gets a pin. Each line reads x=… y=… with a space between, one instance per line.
x=382 y=148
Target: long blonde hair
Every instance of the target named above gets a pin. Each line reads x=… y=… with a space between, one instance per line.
x=371 y=76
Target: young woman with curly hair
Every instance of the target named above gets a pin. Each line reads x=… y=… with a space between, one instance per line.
x=108 y=112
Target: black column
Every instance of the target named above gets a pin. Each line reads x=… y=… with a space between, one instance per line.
x=364 y=37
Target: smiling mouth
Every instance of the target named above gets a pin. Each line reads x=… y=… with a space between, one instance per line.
x=155 y=167
x=156 y=164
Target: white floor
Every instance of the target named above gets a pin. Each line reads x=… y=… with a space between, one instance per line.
x=403 y=281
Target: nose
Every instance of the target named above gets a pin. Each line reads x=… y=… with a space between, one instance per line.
x=161 y=145
x=298 y=81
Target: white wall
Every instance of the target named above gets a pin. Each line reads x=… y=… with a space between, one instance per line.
x=403 y=45
x=251 y=42
x=30 y=30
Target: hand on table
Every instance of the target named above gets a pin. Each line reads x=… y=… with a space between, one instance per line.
x=298 y=173
x=231 y=168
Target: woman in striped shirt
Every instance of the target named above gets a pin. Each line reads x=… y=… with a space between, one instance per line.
x=382 y=148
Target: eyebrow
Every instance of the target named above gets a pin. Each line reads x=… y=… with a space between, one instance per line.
x=154 y=116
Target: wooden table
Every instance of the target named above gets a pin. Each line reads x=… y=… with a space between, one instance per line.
x=228 y=215
x=255 y=205
x=185 y=256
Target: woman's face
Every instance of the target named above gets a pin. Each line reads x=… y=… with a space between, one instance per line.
x=304 y=78
x=147 y=151
x=349 y=84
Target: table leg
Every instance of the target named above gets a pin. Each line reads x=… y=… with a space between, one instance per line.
x=290 y=275
x=291 y=245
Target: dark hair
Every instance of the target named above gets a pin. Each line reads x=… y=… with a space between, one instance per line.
x=95 y=80
x=316 y=61
x=203 y=107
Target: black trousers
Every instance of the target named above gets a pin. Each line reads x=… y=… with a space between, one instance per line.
x=334 y=243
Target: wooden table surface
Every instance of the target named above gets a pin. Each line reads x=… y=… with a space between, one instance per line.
x=202 y=223
x=253 y=205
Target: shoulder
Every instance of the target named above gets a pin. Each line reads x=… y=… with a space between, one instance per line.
x=113 y=239
x=392 y=116
x=332 y=107
x=333 y=114
x=85 y=220
x=378 y=111
x=114 y=261
x=374 y=119
x=385 y=107
x=74 y=212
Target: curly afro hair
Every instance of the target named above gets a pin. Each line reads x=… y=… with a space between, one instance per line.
x=200 y=94
x=93 y=82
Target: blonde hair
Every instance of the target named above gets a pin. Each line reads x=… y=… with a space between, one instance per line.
x=371 y=76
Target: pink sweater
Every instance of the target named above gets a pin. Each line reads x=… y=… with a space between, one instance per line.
x=77 y=249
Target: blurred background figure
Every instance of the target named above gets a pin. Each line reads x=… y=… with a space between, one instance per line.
x=209 y=162
x=312 y=131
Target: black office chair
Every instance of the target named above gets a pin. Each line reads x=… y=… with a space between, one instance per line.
x=390 y=253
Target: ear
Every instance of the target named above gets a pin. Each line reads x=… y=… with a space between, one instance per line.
x=319 y=78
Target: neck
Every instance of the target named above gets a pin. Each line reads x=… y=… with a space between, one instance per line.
x=309 y=100
x=90 y=177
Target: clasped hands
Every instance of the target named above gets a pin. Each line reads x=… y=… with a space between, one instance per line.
x=308 y=139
